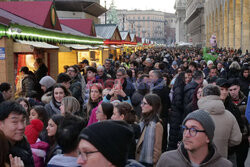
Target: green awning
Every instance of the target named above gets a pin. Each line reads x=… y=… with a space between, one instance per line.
x=21 y=32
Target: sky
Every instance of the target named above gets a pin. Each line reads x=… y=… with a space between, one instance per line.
x=159 y=5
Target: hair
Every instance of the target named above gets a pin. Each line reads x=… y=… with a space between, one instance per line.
x=180 y=80
x=100 y=68
x=121 y=70
x=193 y=64
x=74 y=67
x=63 y=77
x=4 y=149
x=211 y=90
x=68 y=132
x=157 y=73
x=107 y=109
x=155 y=101
x=135 y=63
x=198 y=75
x=39 y=61
x=20 y=99
x=71 y=104
x=195 y=99
x=25 y=70
x=235 y=65
x=92 y=69
x=162 y=66
x=5 y=87
x=58 y=85
x=42 y=114
x=8 y=107
x=90 y=101
x=126 y=109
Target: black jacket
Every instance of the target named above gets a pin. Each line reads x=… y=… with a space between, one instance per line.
x=189 y=92
x=244 y=84
x=176 y=117
x=76 y=89
x=22 y=149
x=41 y=72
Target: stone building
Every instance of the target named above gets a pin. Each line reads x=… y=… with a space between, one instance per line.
x=229 y=20
x=149 y=24
x=180 y=7
x=195 y=23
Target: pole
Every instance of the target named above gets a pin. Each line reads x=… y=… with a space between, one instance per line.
x=123 y=20
x=105 y=14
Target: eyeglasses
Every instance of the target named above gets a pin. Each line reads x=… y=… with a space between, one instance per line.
x=84 y=155
x=192 y=131
x=70 y=70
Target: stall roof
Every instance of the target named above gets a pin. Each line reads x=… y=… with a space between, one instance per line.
x=85 y=26
x=108 y=31
x=89 y=7
x=124 y=34
x=38 y=44
x=37 y=12
x=133 y=37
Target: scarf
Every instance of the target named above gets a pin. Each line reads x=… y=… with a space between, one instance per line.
x=55 y=107
x=147 y=150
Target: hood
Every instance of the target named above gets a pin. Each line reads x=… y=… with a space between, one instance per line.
x=61 y=160
x=212 y=104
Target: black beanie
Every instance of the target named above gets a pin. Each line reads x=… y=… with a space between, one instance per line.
x=111 y=138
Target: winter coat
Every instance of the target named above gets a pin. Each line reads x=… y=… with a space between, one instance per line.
x=189 y=92
x=41 y=72
x=52 y=109
x=179 y=158
x=160 y=88
x=128 y=88
x=22 y=149
x=63 y=161
x=176 y=117
x=244 y=84
x=227 y=132
x=76 y=89
x=136 y=103
x=39 y=150
x=157 y=145
x=46 y=98
x=1 y=97
x=28 y=85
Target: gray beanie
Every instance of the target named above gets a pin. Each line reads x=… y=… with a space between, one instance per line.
x=47 y=81
x=205 y=120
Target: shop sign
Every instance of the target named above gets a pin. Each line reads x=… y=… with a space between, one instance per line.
x=2 y=53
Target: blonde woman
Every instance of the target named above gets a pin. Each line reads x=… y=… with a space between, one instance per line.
x=71 y=105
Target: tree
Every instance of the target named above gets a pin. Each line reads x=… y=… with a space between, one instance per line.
x=112 y=16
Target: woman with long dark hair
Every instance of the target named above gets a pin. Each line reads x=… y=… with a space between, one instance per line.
x=58 y=93
x=149 y=145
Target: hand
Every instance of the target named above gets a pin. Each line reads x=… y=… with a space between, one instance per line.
x=120 y=92
x=16 y=161
x=111 y=93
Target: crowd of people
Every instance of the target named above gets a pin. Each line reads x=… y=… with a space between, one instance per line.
x=154 y=107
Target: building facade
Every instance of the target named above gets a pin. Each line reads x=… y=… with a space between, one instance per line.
x=180 y=7
x=149 y=24
x=229 y=20
x=194 y=22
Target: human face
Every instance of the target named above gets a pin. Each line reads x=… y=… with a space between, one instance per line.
x=107 y=64
x=90 y=75
x=100 y=116
x=71 y=72
x=95 y=94
x=43 y=88
x=188 y=77
x=93 y=159
x=62 y=108
x=194 y=143
x=245 y=73
x=213 y=72
x=33 y=115
x=59 y=94
x=223 y=93
x=219 y=66
x=7 y=94
x=66 y=84
x=146 y=108
x=116 y=115
x=199 y=93
x=100 y=72
x=152 y=77
x=25 y=105
x=192 y=68
x=51 y=128
x=119 y=75
x=13 y=127
x=234 y=92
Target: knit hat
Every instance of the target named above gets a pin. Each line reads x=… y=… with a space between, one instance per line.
x=47 y=81
x=111 y=138
x=221 y=82
x=209 y=62
x=205 y=120
x=33 y=130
